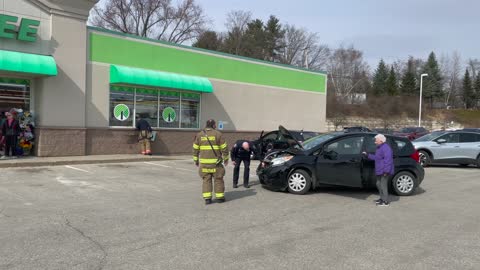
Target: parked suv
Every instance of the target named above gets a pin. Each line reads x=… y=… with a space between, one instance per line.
x=336 y=159
x=277 y=140
x=411 y=133
x=449 y=147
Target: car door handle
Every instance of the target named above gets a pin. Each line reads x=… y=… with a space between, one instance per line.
x=354 y=160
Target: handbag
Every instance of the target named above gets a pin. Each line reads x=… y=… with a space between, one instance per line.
x=219 y=158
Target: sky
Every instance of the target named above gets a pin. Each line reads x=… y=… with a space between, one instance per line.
x=385 y=29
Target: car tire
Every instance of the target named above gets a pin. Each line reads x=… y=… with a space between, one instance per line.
x=299 y=182
x=464 y=165
x=478 y=161
x=425 y=158
x=404 y=183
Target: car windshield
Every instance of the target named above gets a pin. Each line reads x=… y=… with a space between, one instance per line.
x=430 y=136
x=315 y=141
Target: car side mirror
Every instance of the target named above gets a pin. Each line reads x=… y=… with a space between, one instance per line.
x=440 y=141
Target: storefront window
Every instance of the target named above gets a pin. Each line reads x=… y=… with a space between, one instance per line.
x=169 y=109
x=146 y=105
x=161 y=108
x=122 y=106
x=14 y=93
x=190 y=110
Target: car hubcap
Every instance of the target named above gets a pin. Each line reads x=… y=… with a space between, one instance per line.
x=423 y=159
x=405 y=183
x=297 y=182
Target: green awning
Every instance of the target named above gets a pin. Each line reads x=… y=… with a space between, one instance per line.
x=138 y=76
x=28 y=63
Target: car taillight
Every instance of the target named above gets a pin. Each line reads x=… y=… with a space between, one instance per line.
x=415 y=156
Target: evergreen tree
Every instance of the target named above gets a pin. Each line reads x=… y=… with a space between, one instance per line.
x=208 y=40
x=409 y=83
x=391 y=86
x=255 y=39
x=468 y=93
x=379 y=79
x=432 y=84
x=274 y=35
x=477 y=90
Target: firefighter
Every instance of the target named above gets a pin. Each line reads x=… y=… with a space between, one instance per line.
x=210 y=154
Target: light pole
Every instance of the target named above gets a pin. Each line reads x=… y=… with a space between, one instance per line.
x=420 y=106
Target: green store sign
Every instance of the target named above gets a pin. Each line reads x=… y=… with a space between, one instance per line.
x=26 y=31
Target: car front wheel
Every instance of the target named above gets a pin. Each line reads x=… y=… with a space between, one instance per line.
x=299 y=182
x=425 y=158
x=404 y=183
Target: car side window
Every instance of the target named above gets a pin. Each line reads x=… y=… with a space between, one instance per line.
x=450 y=138
x=369 y=144
x=347 y=146
x=468 y=137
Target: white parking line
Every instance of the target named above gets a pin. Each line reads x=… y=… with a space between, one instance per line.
x=155 y=164
x=77 y=169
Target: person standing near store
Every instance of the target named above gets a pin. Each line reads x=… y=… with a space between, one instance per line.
x=210 y=154
x=144 y=136
x=10 y=130
x=241 y=152
x=384 y=167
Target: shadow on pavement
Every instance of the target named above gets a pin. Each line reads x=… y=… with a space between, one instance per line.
x=454 y=166
x=360 y=193
x=239 y=194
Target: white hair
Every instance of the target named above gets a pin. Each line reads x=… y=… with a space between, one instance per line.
x=381 y=137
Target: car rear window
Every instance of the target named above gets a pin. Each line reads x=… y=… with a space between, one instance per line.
x=401 y=146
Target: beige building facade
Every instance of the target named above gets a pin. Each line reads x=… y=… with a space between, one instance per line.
x=86 y=86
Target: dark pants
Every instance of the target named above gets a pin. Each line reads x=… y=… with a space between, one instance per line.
x=10 y=144
x=246 y=171
x=382 y=185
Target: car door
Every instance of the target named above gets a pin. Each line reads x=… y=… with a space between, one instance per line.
x=340 y=162
x=469 y=145
x=368 y=166
x=447 y=150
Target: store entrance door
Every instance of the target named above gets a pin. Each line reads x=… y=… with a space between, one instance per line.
x=16 y=99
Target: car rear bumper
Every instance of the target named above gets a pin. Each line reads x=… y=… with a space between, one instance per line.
x=274 y=177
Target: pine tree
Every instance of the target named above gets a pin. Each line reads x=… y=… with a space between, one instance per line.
x=468 y=93
x=274 y=35
x=477 y=90
x=391 y=86
x=208 y=40
x=409 y=83
x=432 y=84
x=380 y=79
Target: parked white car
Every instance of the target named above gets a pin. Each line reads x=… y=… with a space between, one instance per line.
x=449 y=147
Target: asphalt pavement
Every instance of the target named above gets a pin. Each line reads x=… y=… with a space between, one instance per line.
x=150 y=215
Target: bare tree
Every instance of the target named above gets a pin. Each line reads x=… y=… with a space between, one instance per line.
x=344 y=68
x=158 y=19
x=303 y=49
x=474 y=67
x=451 y=71
x=236 y=24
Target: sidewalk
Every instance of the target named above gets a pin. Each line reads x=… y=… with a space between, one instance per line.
x=93 y=159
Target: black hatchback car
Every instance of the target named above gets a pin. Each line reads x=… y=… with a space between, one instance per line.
x=278 y=140
x=336 y=159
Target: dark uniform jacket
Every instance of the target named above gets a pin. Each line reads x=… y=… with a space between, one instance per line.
x=238 y=151
x=11 y=130
x=203 y=152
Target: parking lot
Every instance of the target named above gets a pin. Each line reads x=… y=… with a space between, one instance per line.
x=150 y=215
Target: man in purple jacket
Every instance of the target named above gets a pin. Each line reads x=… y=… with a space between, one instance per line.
x=384 y=167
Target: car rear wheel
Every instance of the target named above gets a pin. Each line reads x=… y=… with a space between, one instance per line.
x=404 y=183
x=299 y=182
x=425 y=158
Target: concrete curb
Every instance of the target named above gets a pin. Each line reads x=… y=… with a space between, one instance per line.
x=40 y=163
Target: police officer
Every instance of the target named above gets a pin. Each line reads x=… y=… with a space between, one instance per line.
x=241 y=152
x=210 y=154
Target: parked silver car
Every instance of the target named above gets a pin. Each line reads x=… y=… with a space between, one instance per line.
x=449 y=147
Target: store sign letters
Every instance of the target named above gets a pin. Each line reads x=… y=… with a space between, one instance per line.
x=26 y=31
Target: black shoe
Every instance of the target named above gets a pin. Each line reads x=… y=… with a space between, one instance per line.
x=235 y=186
x=208 y=201
x=383 y=204
x=246 y=186
x=378 y=201
x=221 y=200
